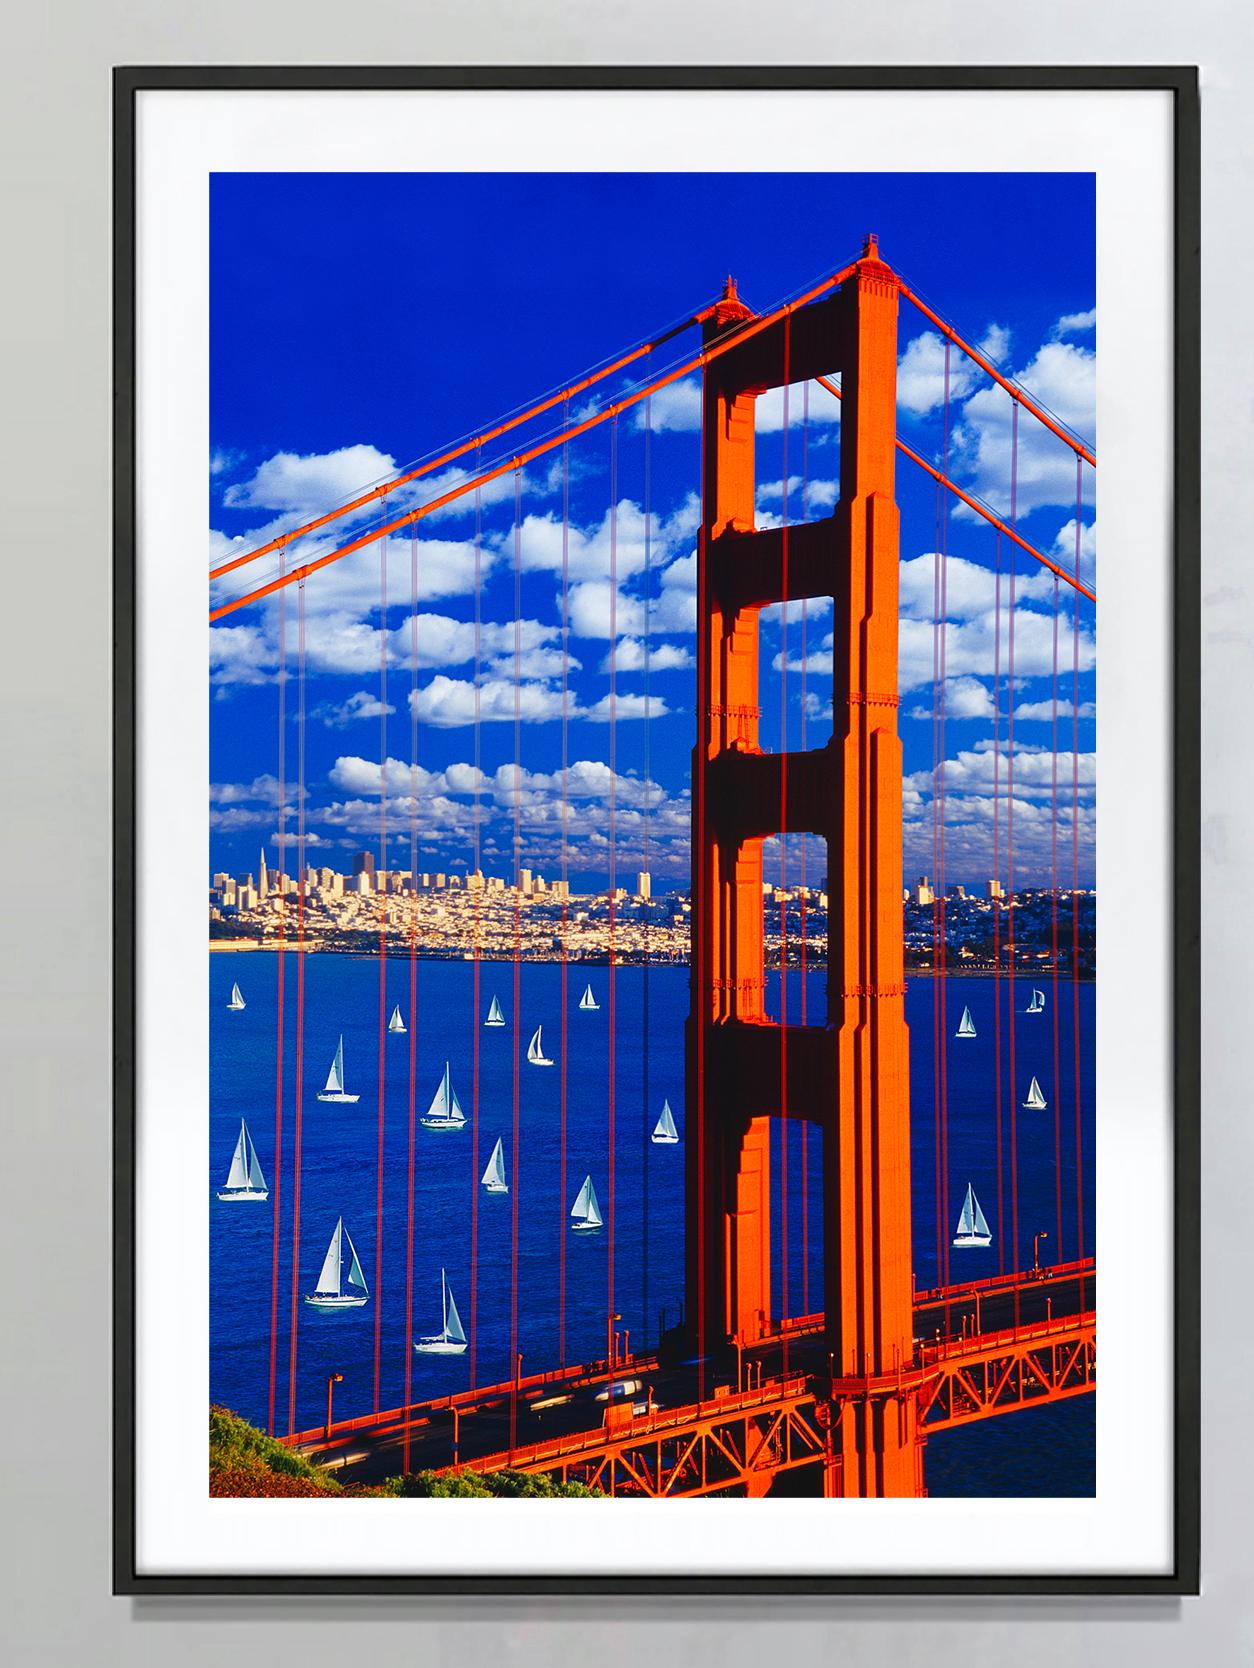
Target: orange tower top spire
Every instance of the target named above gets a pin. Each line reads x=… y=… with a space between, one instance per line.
x=729 y=308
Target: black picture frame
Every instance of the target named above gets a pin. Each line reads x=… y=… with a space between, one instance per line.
x=1181 y=82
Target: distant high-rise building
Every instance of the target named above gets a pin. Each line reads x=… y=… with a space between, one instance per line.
x=644 y=886
x=359 y=883
x=923 y=893
x=363 y=863
x=524 y=882
x=263 y=879
x=956 y=891
x=994 y=889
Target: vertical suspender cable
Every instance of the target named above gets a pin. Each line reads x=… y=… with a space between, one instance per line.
x=382 y=898
x=412 y=1073
x=299 y=1085
x=476 y=1020
x=783 y=854
x=942 y=966
x=805 y=650
x=563 y=1087
x=646 y=1144
x=997 y=906
x=1075 y=882
x=612 y=1016
x=1053 y=927
x=278 y=1028
x=1010 y=858
x=938 y=1019
x=516 y=1183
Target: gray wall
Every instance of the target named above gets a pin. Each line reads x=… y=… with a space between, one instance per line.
x=54 y=441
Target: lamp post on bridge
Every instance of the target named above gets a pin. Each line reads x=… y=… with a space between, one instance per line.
x=332 y=1380
x=1036 y=1252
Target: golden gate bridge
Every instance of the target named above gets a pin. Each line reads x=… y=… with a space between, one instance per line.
x=741 y=1393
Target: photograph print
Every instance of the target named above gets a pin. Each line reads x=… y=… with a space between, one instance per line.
x=651 y=897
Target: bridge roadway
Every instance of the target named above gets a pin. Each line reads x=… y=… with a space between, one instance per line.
x=495 y=1419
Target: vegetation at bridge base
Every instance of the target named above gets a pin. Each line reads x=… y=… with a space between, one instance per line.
x=493 y=1485
x=244 y=1462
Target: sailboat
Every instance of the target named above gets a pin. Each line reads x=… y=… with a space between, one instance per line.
x=1036 y=1101
x=396 y=1024
x=535 y=1050
x=334 y=1087
x=966 y=1025
x=1037 y=1004
x=451 y=1338
x=493 y=1178
x=244 y=1180
x=237 y=1003
x=664 y=1132
x=329 y=1292
x=585 y=1212
x=588 y=1003
x=972 y=1229
x=495 y=1016
x=445 y=1111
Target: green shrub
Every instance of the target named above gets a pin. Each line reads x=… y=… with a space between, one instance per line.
x=245 y=1461
x=493 y=1485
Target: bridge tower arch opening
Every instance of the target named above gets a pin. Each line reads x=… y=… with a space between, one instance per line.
x=849 y=1076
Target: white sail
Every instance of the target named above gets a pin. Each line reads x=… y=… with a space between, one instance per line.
x=355 y=1276
x=396 y=1023
x=237 y=1001
x=493 y=1177
x=445 y=1111
x=664 y=1131
x=495 y=1016
x=453 y=1328
x=329 y=1280
x=979 y=1221
x=238 y=1176
x=966 y=1025
x=255 y=1178
x=244 y=1179
x=972 y=1227
x=335 y=1077
x=535 y=1049
x=329 y=1293
x=592 y=1216
x=451 y=1338
x=1036 y=1101
x=588 y=1001
x=585 y=1211
x=1037 y=1004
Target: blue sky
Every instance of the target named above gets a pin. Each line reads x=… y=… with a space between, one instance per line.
x=359 y=322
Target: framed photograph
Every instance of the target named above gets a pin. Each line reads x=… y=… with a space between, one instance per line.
x=656 y=926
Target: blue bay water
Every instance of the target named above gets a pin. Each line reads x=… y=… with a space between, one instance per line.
x=1045 y=1451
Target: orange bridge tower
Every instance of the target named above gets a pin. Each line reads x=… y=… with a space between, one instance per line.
x=849 y=1075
